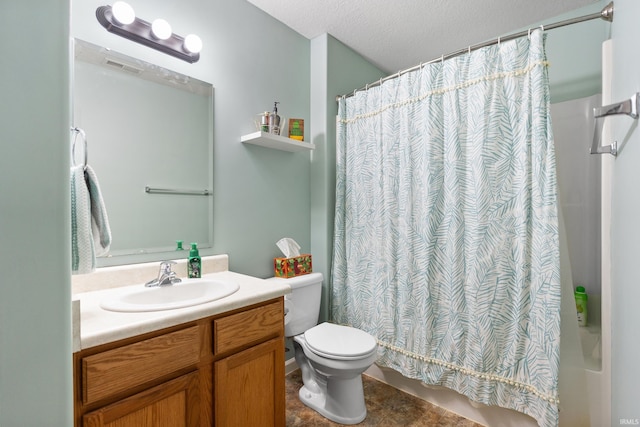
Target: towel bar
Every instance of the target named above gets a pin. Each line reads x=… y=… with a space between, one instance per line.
x=151 y=190
x=628 y=107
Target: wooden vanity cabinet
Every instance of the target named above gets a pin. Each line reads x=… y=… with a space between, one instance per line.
x=174 y=403
x=249 y=388
x=249 y=379
x=224 y=371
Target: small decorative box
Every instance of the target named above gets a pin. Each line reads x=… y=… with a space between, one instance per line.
x=296 y=129
x=291 y=267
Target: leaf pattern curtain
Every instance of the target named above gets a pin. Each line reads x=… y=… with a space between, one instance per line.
x=446 y=233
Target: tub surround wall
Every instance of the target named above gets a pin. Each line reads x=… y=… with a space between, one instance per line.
x=579 y=192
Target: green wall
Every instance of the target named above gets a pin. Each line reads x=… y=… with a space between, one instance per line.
x=35 y=305
x=625 y=228
x=335 y=70
x=574 y=53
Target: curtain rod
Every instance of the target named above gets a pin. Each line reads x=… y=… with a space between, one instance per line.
x=606 y=14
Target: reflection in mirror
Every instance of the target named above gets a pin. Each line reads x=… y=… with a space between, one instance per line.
x=146 y=126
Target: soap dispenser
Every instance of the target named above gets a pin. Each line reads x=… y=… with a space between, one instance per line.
x=274 y=120
x=194 y=265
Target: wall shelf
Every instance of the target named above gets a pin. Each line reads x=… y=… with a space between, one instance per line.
x=265 y=139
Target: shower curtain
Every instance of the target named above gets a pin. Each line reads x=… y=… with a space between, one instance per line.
x=446 y=230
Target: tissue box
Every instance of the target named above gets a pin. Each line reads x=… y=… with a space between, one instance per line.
x=291 y=267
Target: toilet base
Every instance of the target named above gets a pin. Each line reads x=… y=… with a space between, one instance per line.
x=352 y=412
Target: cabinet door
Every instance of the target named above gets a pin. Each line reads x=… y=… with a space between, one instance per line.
x=249 y=387
x=175 y=403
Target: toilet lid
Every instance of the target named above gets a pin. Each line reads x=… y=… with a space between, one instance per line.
x=339 y=342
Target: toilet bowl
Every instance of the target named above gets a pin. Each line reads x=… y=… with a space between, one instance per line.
x=332 y=377
x=331 y=357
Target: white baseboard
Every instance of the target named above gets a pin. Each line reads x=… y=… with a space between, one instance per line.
x=290 y=365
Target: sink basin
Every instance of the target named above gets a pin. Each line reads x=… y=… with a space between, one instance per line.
x=187 y=293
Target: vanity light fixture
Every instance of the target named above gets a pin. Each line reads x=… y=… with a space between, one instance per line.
x=120 y=19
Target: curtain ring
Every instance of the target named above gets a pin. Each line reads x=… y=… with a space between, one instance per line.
x=469 y=50
x=542 y=28
x=366 y=87
x=498 y=41
x=442 y=58
x=529 y=34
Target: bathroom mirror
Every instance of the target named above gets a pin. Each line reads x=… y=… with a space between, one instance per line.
x=150 y=142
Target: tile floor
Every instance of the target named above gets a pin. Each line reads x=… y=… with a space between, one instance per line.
x=386 y=407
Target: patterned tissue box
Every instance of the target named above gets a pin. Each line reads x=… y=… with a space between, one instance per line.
x=291 y=267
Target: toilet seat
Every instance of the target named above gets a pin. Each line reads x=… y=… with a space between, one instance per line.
x=339 y=342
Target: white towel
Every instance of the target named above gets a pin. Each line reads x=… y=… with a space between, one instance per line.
x=90 y=231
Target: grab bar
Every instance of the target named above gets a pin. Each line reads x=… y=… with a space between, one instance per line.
x=150 y=190
x=628 y=107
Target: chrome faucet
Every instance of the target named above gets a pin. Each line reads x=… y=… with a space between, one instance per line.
x=165 y=276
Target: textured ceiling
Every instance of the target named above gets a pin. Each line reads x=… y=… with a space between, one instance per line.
x=398 y=34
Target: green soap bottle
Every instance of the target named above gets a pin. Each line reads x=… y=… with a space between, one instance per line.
x=195 y=263
x=581 y=305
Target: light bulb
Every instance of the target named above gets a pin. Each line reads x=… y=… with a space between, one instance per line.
x=123 y=13
x=193 y=43
x=161 y=29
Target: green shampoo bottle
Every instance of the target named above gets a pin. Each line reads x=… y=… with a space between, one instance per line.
x=581 y=305
x=194 y=266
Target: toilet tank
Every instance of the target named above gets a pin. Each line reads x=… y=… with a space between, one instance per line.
x=302 y=305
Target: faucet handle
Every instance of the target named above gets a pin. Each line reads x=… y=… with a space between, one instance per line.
x=165 y=266
x=165 y=275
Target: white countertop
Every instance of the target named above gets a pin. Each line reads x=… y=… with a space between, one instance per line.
x=98 y=326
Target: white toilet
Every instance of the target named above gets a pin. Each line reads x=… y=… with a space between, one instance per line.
x=331 y=357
